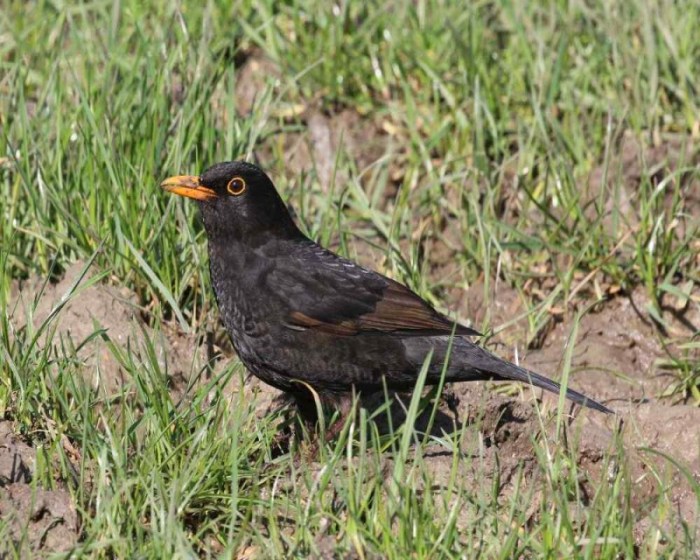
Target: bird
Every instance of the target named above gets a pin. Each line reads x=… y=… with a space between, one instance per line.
x=314 y=324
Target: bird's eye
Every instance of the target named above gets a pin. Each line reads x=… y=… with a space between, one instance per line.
x=236 y=186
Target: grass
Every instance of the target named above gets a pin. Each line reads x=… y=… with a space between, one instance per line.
x=490 y=118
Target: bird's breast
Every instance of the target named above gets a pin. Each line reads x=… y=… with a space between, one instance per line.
x=247 y=313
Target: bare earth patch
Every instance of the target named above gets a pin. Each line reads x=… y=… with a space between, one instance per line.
x=36 y=520
x=316 y=149
x=91 y=317
x=615 y=354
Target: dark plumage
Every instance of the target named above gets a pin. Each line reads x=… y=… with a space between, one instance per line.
x=300 y=315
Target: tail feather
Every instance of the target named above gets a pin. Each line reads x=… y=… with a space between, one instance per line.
x=491 y=367
x=553 y=387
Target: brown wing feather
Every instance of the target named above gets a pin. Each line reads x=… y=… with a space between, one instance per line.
x=344 y=328
x=402 y=310
x=399 y=310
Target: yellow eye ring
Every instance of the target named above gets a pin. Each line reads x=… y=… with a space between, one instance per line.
x=236 y=186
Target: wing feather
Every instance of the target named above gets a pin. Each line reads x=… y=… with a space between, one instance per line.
x=327 y=293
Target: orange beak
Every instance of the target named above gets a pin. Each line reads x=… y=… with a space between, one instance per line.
x=189 y=186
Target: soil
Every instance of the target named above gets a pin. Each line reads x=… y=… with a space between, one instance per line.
x=91 y=316
x=37 y=520
x=325 y=138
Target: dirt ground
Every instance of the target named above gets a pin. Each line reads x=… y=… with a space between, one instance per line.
x=616 y=359
x=38 y=519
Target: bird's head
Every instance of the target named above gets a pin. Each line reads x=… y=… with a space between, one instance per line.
x=237 y=200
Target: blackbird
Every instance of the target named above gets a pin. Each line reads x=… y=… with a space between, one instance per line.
x=301 y=317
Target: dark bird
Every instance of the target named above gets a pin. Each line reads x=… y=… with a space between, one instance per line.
x=302 y=317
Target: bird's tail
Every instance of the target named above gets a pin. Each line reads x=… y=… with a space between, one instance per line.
x=488 y=366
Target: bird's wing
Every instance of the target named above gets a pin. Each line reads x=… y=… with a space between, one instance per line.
x=325 y=292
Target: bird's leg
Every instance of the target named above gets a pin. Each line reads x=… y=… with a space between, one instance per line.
x=343 y=406
x=452 y=402
x=311 y=448
x=335 y=428
x=282 y=441
x=309 y=418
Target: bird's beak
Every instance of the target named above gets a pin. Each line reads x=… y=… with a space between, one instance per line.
x=189 y=186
